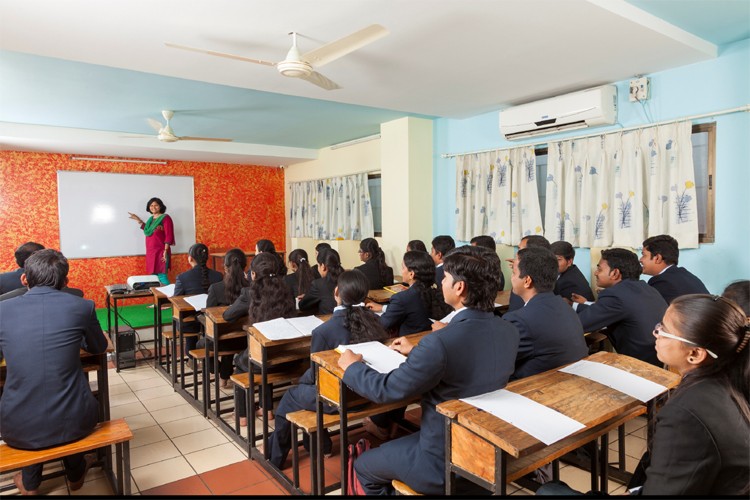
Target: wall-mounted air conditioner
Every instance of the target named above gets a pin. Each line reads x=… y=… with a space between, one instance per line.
x=587 y=108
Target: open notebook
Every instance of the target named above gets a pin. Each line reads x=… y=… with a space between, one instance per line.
x=292 y=328
x=376 y=355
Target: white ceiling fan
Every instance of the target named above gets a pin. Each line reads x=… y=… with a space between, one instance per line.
x=166 y=134
x=301 y=66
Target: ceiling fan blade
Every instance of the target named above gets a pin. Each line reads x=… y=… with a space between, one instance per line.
x=339 y=48
x=321 y=81
x=155 y=124
x=215 y=139
x=220 y=54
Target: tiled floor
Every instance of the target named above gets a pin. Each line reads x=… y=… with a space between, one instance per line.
x=176 y=451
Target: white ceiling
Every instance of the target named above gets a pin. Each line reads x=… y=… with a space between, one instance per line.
x=442 y=58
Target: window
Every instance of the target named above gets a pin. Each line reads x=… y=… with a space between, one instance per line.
x=541 y=178
x=376 y=202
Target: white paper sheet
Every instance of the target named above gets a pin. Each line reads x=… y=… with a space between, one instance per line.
x=197 y=301
x=278 y=329
x=449 y=317
x=620 y=380
x=167 y=290
x=545 y=424
x=306 y=324
x=378 y=356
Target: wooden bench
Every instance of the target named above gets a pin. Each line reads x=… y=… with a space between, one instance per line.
x=403 y=488
x=195 y=356
x=307 y=421
x=112 y=432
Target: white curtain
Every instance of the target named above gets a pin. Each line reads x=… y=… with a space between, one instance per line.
x=617 y=189
x=329 y=209
x=496 y=194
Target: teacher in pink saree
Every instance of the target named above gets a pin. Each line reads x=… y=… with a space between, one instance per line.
x=159 y=231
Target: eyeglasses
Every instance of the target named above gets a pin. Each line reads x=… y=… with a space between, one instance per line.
x=659 y=332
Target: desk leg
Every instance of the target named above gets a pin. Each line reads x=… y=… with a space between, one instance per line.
x=217 y=378
x=157 y=334
x=175 y=334
x=449 y=486
x=264 y=403
x=501 y=472
x=343 y=440
x=115 y=341
x=250 y=411
x=604 y=463
x=319 y=465
x=594 y=452
x=181 y=354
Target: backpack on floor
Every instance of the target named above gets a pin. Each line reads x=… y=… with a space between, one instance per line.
x=353 y=486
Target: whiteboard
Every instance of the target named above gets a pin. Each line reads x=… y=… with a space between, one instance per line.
x=94 y=206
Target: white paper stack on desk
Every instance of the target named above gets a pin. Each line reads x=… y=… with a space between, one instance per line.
x=292 y=328
x=376 y=355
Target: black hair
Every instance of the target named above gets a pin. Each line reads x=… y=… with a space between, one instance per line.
x=363 y=324
x=541 y=265
x=563 y=249
x=269 y=297
x=370 y=246
x=485 y=241
x=535 y=240
x=235 y=262
x=24 y=251
x=304 y=271
x=443 y=244
x=479 y=269
x=199 y=253
x=625 y=261
x=739 y=292
x=416 y=245
x=719 y=325
x=663 y=245
x=162 y=206
x=320 y=246
x=330 y=258
x=266 y=246
x=46 y=267
x=423 y=267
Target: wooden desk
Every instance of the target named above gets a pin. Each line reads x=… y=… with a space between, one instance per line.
x=111 y=302
x=182 y=313
x=160 y=299
x=492 y=452
x=332 y=390
x=218 y=330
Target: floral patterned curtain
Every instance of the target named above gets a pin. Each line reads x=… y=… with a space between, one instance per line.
x=618 y=189
x=330 y=209
x=497 y=195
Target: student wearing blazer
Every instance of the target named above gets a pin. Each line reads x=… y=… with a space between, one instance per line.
x=441 y=245
x=12 y=279
x=350 y=324
x=473 y=355
x=301 y=278
x=570 y=279
x=627 y=306
x=47 y=400
x=374 y=268
x=534 y=240
x=487 y=241
x=195 y=281
x=659 y=259
x=550 y=333
x=319 y=298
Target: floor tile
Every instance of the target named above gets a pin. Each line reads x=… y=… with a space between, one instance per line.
x=152 y=453
x=199 y=441
x=160 y=473
x=97 y=487
x=188 y=486
x=576 y=478
x=635 y=446
x=138 y=385
x=269 y=487
x=119 y=389
x=147 y=435
x=140 y=421
x=175 y=413
x=186 y=426
x=213 y=458
x=122 y=399
x=228 y=479
x=154 y=392
x=164 y=402
x=127 y=410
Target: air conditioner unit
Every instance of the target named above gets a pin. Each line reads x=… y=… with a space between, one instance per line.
x=587 y=108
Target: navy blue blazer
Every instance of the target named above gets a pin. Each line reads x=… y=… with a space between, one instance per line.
x=676 y=281
x=550 y=335
x=216 y=295
x=190 y=282
x=407 y=312
x=573 y=281
x=473 y=355
x=439 y=274
x=319 y=295
x=239 y=308
x=325 y=337
x=47 y=400
x=630 y=310
x=10 y=281
x=515 y=303
x=371 y=272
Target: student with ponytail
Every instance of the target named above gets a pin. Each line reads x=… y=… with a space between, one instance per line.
x=319 y=298
x=195 y=281
x=267 y=246
x=701 y=440
x=268 y=298
x=302 y=275
x=351 y=323
x=374 y=268
x=224 y=293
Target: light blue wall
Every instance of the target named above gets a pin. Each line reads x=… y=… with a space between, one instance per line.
x=715 y=85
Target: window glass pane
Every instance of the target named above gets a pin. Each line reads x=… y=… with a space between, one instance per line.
x=376 y=203
x=700 y=164
x=541 y=182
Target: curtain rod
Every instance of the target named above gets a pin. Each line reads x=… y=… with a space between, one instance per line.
x=335 y=176
x=739 y=109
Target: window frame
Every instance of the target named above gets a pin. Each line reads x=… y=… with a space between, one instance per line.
x=710 y=128
x=377 y=175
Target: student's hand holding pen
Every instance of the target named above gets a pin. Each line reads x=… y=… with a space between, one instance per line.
x=374 y=306
x=577 y=298
x=348 y=358
x=402 y=345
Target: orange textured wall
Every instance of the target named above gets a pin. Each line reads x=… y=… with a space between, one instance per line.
x=235 y=205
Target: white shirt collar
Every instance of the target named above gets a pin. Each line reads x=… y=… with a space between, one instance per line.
x=670 y=265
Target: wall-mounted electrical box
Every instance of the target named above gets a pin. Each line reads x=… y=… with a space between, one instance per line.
x=639 y=89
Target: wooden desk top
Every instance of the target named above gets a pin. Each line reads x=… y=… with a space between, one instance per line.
x=329 y=360
x=265 y=342
x=579 y=398
x=179 y=304
x=503 y=298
